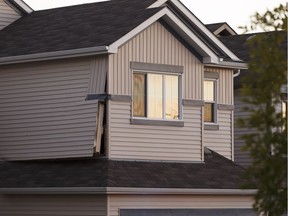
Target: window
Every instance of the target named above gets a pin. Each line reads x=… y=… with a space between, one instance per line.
x=210 y=101
x=156 y=96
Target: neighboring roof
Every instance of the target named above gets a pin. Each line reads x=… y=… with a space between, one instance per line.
x=216 y=173
x=238 y=45
x=221 y=29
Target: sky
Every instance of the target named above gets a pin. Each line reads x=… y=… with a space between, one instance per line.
x=235 y=12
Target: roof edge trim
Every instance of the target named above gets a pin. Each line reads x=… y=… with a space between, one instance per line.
x=20 y=6
x=54 y=55
x=204 y=29
x=124 y=190
x=165 y=13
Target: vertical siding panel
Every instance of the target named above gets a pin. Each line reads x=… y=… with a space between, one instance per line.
x=156 y=45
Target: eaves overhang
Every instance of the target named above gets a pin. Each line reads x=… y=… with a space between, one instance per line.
x=128 y=191
x=54 y=55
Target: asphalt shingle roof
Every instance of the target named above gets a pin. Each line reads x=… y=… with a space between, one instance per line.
x=238 y=45
x=73 y=27
x=216 y=173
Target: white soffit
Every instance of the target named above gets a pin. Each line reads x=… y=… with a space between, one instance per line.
x=177 y=25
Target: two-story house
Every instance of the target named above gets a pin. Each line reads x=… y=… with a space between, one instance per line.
x=121 y=107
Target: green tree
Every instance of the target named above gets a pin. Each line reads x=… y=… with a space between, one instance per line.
x=267 y=73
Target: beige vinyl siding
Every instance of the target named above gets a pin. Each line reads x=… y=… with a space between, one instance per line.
x=116 y=202
x=220 y=140
x=7 y=15
x=225 y=85
x=155 y=45
x=98 y=75
x=241 y=157
x=148 y=142
x=43 y=110
x=53 y=205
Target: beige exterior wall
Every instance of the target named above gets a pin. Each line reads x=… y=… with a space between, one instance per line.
x=7 y=15
x=221 y=140
x=155 y=45
x=53 y=205
x=225 y=85
x=43 y=109
x=148 y=142
x=116 y=202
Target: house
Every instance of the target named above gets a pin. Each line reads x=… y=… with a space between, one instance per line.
x=238 y=44
x=121 y=107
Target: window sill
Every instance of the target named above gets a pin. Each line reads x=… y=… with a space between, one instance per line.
x=175 y=123
x=211 y=126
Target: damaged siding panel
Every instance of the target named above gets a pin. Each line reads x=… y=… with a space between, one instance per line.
x=117 y=202
x=155 y=45
x=53 y=205
x=220 y=140
x=7 y=15
x=43 y=110
x=148 y=142
x=98 y=75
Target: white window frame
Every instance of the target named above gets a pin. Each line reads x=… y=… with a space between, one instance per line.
x=180 y=107
x=215 y=108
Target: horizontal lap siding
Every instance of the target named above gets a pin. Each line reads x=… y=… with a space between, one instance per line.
x=220 y=140
x=158 y=46
x=53 y=205
x=7 y=15
x=117 y=202
x=148 y=142
x=43 y=112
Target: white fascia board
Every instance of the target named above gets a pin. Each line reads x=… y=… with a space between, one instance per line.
x=157 y=3
x=54 y=55
x=179 y=191
x=128 y=191
x=24 y=6
x=172 y=19
x=203 y=28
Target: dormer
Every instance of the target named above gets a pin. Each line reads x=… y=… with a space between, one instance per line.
x=221 y=29
x=11 y=10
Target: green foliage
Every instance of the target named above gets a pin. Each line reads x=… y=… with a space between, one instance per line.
x=267 y=73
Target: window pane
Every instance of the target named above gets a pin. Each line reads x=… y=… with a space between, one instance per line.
x=209 y=112
x=209 y=90
x=139 y=97
x=171 y=100
x=155 y=96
